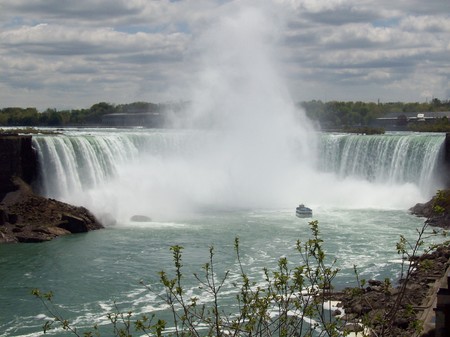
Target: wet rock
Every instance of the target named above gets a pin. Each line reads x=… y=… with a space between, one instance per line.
x=12 y=218
x=17 y=158
x=28 y=217
x=353 y=327
x=436 y=211
x=140 y=218
x=375 y=283
x=3 y=217
x=337 y=313
x=32 y=237
x=73 y=224
x=400 y=304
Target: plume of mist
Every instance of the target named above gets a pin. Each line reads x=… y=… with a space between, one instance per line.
x=254 y=142
x=254 y=148
x=240 y=94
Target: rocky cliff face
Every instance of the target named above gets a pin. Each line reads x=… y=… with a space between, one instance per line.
x=17 y=159
x=24 y=215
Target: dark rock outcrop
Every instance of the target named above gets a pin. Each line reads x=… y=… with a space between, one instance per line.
x=24 y=215
x=437 y=210
x=401 y=305
x=27 y=217
x=17 y=159
x=140 y=218
x=73 y=223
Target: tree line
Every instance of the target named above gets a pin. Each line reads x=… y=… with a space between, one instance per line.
x=16 y=116
x=329 y=115
x=341 y=115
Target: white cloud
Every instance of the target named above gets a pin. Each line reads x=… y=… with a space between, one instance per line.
x=432 y=24
x=55 y=53
x=58 y=39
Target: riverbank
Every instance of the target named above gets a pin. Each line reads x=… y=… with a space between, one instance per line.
x=436 y=211
x=403 y=310
x=28 y=217
x=409 y=307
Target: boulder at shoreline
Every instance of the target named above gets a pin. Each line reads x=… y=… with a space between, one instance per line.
x=403 y=304
x=437 y=210
x=27 y=217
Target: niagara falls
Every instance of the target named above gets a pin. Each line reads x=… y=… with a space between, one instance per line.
x=226 y=159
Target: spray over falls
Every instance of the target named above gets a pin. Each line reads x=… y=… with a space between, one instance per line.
x=243 y=144
x=162 y=174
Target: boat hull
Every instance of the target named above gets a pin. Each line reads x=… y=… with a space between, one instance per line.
x=303 y=212
x=303 y=215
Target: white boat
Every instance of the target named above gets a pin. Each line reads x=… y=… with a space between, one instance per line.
x=303 y=212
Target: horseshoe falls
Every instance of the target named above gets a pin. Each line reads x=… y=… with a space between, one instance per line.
x=165 y=173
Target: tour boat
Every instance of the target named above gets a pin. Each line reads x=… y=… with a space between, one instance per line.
x=303 y=212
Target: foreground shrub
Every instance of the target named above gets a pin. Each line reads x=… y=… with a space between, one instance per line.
x=289 y=301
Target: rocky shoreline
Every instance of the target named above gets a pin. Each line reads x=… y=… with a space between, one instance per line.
x=436 y=211
x=401 y=308
x=397 y=310
x=28 y=217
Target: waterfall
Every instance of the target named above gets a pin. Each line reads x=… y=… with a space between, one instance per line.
x=71 y=164
x=126 y=172
x=390 y=159
x=75 y=162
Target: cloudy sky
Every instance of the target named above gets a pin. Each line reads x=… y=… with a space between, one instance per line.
x=72 y=54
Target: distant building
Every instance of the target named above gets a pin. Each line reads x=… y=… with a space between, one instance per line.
x=399 y=121
x=420 y=118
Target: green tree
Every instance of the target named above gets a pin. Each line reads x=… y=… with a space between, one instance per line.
x=51 y=117
x=97 y=110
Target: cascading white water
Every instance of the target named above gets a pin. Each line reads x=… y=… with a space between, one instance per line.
x=161 y=173
x=71 y=165
x=396 y=158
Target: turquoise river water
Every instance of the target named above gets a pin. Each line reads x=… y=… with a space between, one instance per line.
x=360 y=190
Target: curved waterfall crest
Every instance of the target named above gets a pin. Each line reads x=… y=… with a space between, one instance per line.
x=77 y=161
x=391 y=158
x=161 y=170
